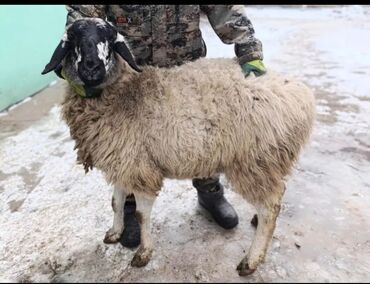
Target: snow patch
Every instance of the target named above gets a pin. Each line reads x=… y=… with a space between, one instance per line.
x=20 y=103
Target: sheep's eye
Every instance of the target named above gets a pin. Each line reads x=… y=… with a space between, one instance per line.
x=112 y=35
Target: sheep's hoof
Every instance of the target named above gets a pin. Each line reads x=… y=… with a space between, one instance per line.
x=142 y=257
x=111 y=236
x=243 y=268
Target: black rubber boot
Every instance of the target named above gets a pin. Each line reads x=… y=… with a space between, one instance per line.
x=130 y=237
x=211 y=197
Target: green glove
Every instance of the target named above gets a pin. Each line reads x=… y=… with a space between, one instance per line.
x=255 y=66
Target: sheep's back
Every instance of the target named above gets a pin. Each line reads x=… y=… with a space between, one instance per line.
x=211 y=116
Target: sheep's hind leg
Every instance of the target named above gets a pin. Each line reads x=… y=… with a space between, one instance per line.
x=144 y=205
x=118 y=201
x=267 y=215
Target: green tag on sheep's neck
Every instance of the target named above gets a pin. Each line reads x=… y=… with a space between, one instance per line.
x=81 y=90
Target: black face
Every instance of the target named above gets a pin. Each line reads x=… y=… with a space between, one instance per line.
x=89 y=46
x=93 y=44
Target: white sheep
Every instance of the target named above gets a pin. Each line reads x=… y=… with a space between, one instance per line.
x=190 y=121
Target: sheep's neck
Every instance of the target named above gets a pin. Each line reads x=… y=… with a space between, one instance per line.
x=92 y=92
x=125 y=86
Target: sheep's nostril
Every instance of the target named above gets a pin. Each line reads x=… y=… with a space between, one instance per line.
x=90 y=64
x=96 y=69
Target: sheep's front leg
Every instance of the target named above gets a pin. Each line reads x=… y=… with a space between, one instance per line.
x=267 y=215
x=144 y=205
x=118 y=202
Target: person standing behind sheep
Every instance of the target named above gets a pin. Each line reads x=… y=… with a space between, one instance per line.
x=169 y=35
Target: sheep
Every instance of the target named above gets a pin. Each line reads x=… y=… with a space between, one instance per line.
x=195 y=120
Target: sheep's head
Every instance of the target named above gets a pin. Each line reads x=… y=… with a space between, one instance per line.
x=86 y=52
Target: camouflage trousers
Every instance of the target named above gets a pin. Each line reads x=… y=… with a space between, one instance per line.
x=206 y=184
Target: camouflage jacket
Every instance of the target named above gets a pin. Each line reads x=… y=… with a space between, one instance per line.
x=168 y=35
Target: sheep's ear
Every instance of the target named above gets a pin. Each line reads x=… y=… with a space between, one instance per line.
x=121 y=48
x=58 y=55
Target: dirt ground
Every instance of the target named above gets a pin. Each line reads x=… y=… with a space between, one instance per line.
x=53 y=217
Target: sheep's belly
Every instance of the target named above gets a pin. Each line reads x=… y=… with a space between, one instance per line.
x=188 y=152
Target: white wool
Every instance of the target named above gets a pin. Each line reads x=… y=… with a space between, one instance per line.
x=103 y=51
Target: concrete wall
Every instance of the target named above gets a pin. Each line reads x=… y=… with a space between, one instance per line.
x=29 y=35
